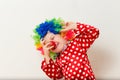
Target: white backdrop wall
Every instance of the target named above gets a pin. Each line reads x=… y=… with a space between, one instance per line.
x=20 y=60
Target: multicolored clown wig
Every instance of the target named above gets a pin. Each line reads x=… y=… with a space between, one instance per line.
x=53 y=26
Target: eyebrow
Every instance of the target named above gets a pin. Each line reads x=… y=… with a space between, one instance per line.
x=47 y=37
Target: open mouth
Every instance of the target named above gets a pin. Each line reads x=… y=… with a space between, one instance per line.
x=54 y=44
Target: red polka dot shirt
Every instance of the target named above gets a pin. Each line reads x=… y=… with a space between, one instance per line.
x=73 y=63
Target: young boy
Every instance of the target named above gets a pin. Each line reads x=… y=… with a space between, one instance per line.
x=72 y=61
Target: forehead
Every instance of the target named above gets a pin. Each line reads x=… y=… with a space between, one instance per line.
x=48 y=35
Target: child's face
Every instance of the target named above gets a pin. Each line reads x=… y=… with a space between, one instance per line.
x=60 y=41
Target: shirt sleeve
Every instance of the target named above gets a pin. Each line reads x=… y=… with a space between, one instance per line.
x=51 y=69
x=87 y=34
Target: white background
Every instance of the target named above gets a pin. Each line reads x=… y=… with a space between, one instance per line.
x=20 y=60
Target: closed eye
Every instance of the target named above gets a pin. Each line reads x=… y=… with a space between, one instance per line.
x=52 y=37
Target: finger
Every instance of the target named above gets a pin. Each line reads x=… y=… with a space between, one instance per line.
x=50 y=47
x=64 y=30
x=47 y=44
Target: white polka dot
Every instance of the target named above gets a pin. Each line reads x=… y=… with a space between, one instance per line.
x=85 y=78
x=83 y=73
x=68 y=68
x=85 y=68
x=69 y=44
x=74 y=72
x=69 y=74
x=83 y=56
x=87 y=44
x=53 y=70
x=71 y=50
x=77 y=58
x=65 y=66
x=76 y=39
x=80 y=60
x=69 y=64
x=92 y=76
x=78 y=32
x=48 y=65
x=65 y=57
x=56 y=75
x=75 y=62
x=74 y=43
x=90 y=39
x=73 y=56
x=80 y=40
x=75 y=52
x=72 y=77
x=69 y=54
x=90 y=31
x=65 y=52
x=73 y=66
x=79 y=44
x=71 y=60
x=85 y=36
x=83 y=40
x=78 y=75
x=81 y=77
x=87 y=40
x=45 y=70
x=83 y=29
x=73 y=47
x=68 y=58
x=79 y=54
x=48 y=69
x=66 y=72
x=89 y=36
x=81 y=26
x=52 y=74
x=71 y=70
x=80 y=70
x=86 y=75
x=80 y=50
x=62 y=55
x=48 y=73
x=76 y=78
x=44 y=64
x=83 y=49
x=94 y=34
x=63 y=61
x=76 y=68
x=88 y=71
x=78 y=64
x=81 y=66
x=83 y=45
x=53 y=66
x=77 y=49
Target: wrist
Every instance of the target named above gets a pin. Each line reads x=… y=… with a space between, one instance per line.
x=47 y=58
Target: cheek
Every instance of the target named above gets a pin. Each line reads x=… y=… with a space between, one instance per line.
x=58 y=39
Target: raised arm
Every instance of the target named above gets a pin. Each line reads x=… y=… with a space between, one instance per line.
x=87 y=34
